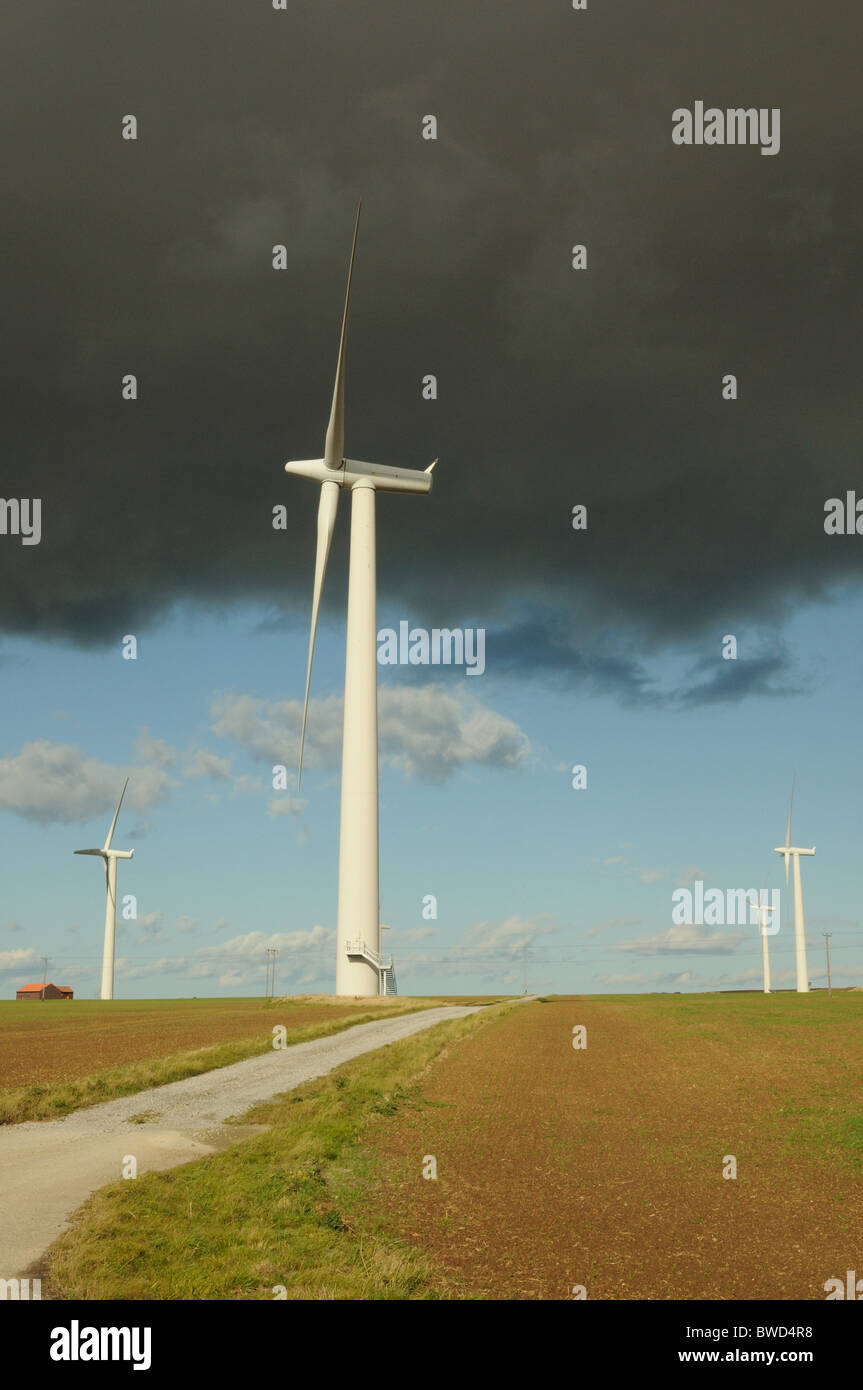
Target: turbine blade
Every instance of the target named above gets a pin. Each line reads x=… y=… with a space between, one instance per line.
x=790 y=809
x=762 y=906
x=87 y=851
x=107 y=844
x=334 y=449
x=326 y=522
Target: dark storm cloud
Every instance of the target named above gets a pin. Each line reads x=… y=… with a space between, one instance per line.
x=733 y=680
x=545 y=642
x=556 y=387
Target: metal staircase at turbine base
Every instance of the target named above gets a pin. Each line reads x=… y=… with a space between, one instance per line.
x=358 y=950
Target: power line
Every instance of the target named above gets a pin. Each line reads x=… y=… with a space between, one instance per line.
x=827 y=935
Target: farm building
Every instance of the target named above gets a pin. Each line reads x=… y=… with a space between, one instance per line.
x=51 y=992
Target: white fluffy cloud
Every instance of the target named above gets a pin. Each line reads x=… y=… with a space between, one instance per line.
x=148 y=749
x=425 y=731
x=429 y=732
x=684 y=940
x=196 y=763
x=56 y=782
x=488 y=949
x=625 y=867
x=304 y=957
x=19 y=960
x=285 y=805
x=203 y=763
x=408 y=935
x=511 y=937
x=146 y=920
x=149 y=924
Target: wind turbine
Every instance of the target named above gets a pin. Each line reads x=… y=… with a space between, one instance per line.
x=761 y=912
x=788 y=852
x=358 y=961
x=110 y=857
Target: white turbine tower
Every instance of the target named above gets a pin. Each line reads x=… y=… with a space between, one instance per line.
x=788 y=852
x=358 y=961
x=110 y=857
x=762 y=910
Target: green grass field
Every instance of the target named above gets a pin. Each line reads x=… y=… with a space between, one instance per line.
x=56 y=1057
x=284 y=1209
x=557 y=1167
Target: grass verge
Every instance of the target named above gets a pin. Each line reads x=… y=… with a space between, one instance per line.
x=281 y=1211
x=52 y=1099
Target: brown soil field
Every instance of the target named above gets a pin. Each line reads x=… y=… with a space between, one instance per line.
x=56 y=1041
x=603 y=1167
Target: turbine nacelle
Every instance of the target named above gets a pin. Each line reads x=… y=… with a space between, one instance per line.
x=788 y=850
x=108 y=853
x=334 y=472
x=353 y=471
x=793 y=853
x=109 y=858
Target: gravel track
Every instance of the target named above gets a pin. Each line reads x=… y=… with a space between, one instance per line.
x=48 y=1168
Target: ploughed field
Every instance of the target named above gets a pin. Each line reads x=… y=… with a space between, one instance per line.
x=56 y=1041
x=602 y=1167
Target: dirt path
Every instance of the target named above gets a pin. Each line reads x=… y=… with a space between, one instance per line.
x=603 y=1167
x=47 y=1169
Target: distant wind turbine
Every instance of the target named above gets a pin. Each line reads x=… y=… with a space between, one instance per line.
x=789 y=852
x=762 y=909
x=359 y=963
x=110 y=857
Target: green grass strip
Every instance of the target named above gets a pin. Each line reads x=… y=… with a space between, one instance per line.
x=284 y=1208
x=51 y=1100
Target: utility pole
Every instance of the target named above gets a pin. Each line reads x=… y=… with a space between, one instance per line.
x=827 y=935
x=44 y=974
x=270 y=987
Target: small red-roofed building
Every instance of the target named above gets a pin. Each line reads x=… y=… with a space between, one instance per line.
x=40 y=991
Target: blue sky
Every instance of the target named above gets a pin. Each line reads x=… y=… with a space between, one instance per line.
x=537 y=884
x=601 y=380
